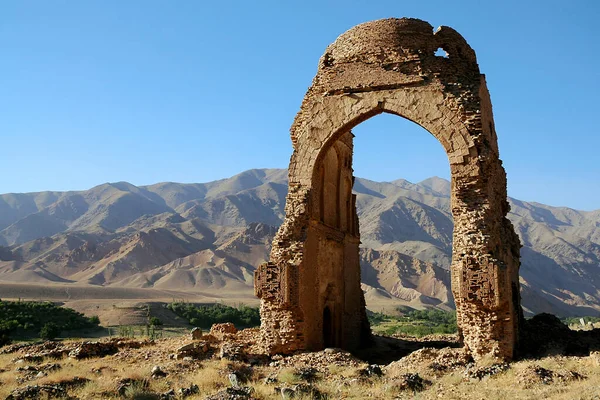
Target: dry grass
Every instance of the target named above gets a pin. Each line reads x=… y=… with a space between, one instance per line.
x=336 y=381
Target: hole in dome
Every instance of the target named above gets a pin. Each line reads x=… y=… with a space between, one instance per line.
x=441 y=53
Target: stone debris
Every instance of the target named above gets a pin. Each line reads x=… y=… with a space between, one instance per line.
x=411 y=382
x=371 y=371
x=232 y=351
x=300 y=391
x=37 y=358
x=189 y=391
x=30 y=372
x=569 y=376
x=38 y=392
x=307 y=374
x=535 y=374
x=221 y=331
x=438 y=360
x=194 y=350
x=242 y=393
x=196 y=334
x=320 y=360
x=271 y=379
x=40 y=351
x=484 y=372
x=94 y=349
x=405 y=377
x=169 y=395
x=102 y=369
x=595 y=356
x=55 y=350
x=181 y=393
x=48 y=391
x=234 y=380
x=25 y=346
x=157 y=372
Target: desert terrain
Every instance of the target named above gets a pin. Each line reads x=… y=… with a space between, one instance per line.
x=225 y=363
x=202 y=243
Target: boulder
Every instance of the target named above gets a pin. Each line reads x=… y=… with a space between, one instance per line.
x=157 y=372
x=220 y=331
x=196 y=334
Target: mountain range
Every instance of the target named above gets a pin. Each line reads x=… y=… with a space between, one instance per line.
x=210 y=237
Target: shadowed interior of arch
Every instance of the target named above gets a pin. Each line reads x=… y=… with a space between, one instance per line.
x=393 y=152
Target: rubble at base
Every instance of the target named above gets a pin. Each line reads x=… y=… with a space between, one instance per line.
x=242 y=368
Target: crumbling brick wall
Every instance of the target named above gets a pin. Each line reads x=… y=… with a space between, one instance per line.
x=310 y=289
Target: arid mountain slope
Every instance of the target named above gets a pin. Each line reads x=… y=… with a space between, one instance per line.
x=209 y=237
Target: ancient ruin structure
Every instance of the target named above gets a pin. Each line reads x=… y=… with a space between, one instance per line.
x=310 y=289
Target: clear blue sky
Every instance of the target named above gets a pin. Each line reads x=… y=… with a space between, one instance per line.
x=192 y=91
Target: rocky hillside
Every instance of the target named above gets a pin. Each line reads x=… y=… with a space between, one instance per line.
x=209 y=237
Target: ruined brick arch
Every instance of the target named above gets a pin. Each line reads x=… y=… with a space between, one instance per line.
x=313 y=277
x=442 y=135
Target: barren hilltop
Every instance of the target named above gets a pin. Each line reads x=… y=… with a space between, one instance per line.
x=173 y=240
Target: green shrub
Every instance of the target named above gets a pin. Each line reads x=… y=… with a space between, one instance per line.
x=126 y=331
x=415 y=323
x=203 y=316
x=376 y=317
x=154 y=321
x=50 y=331
x=26 y=318
x=4 y=337
x=577 y=320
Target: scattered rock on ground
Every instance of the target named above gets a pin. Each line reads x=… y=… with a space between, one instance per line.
x=370 y=371
x=411 y=382
x=300 y=391
x=185 y=392
x=30 y=372
x=320 y=360
x=234 y=380
x=195 y=350
x=38 y=392
x=242 y=393
x=157 y=372
x=439 y=360
x=221 y=331
x=196 y=334
x=55 y=391
x=484 y=372
x=535 y=374
x=93 y=349
x=308 y=374
x=232 y=351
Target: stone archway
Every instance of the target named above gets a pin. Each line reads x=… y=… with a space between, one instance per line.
x=390 y=66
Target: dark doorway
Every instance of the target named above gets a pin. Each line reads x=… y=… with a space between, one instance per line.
x=328 y=335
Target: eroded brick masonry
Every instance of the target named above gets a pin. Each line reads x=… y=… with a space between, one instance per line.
x=310 y=288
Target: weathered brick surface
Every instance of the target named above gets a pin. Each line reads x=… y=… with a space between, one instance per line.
x=310 y=289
